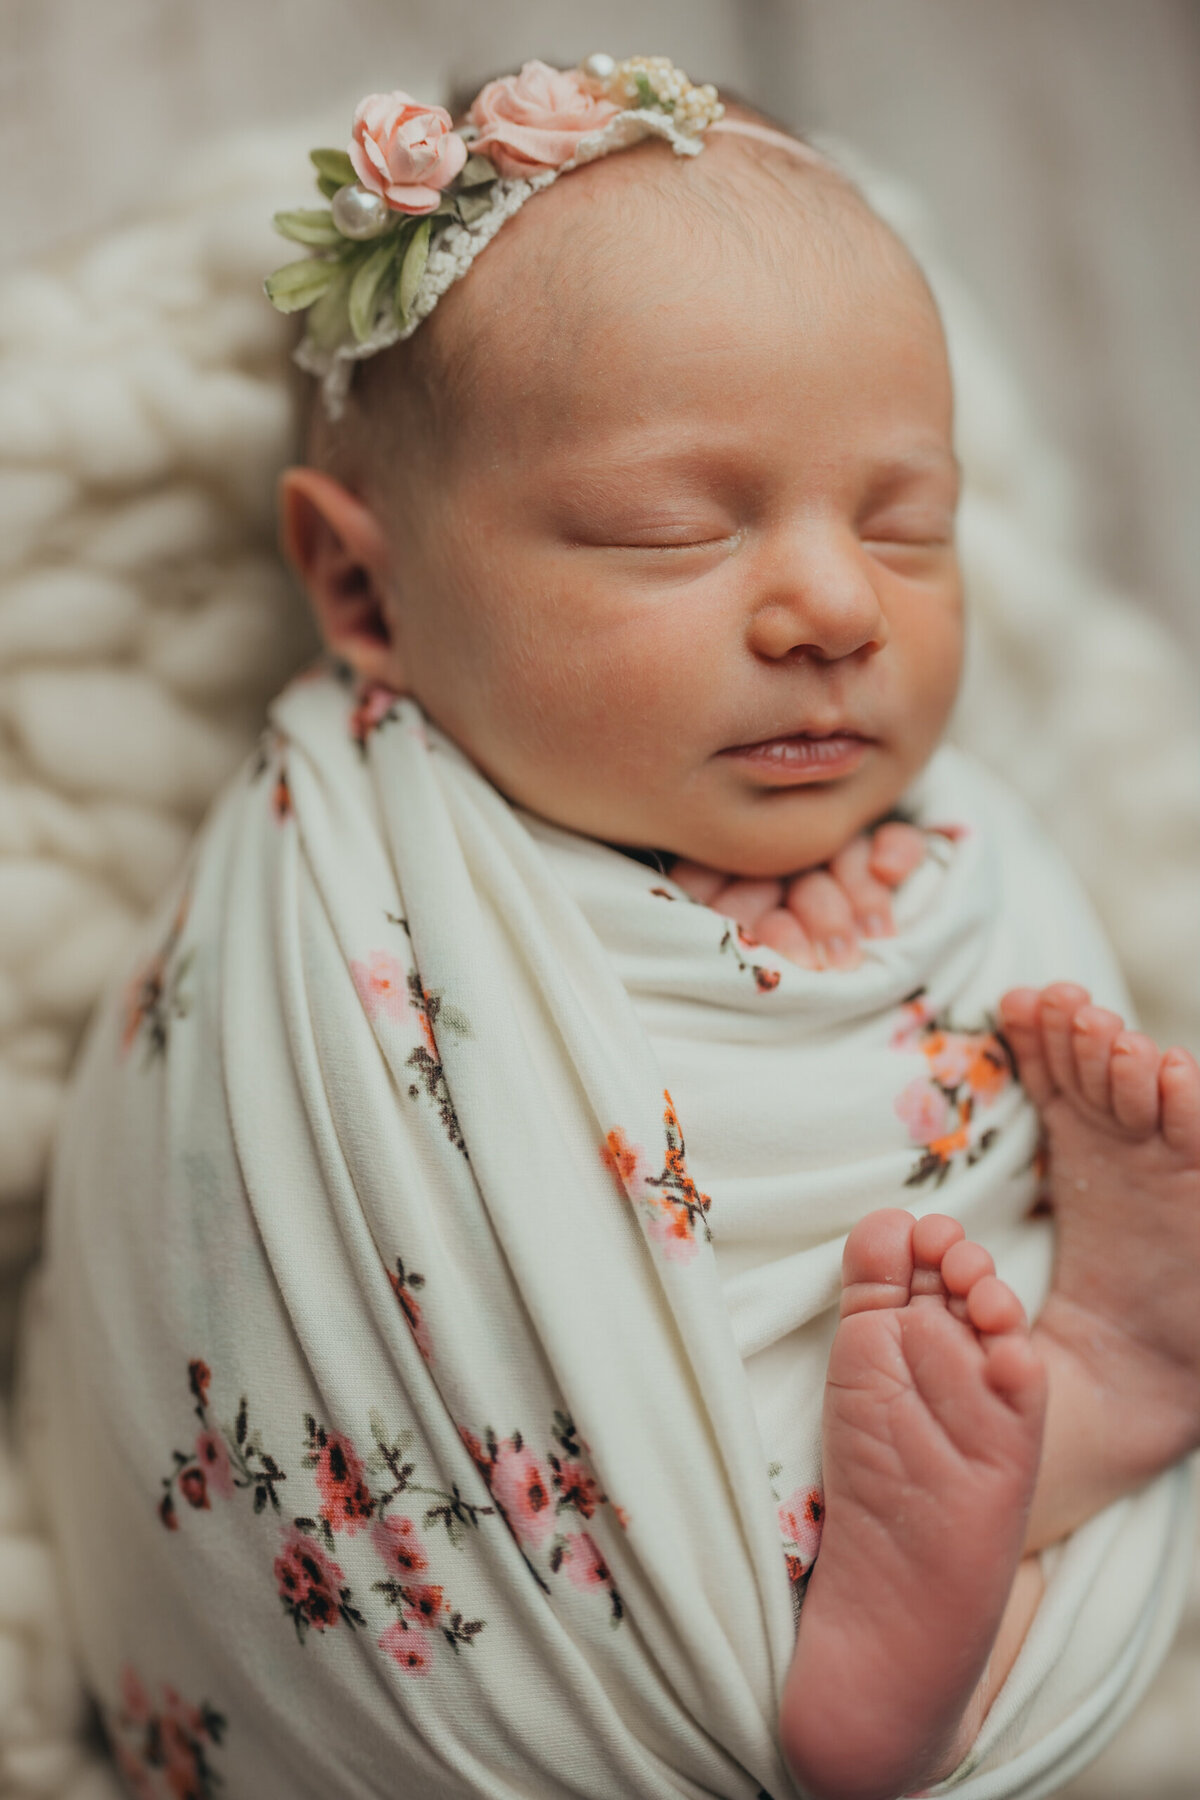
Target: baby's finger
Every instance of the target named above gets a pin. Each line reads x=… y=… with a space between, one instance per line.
x=748 y=901
x=701 y=883
x=897 y=851
x=824 y=914
x=869 y=898
x=781 y=930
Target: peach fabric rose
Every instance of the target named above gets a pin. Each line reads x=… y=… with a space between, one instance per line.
x=405 y=151
x=533 y=121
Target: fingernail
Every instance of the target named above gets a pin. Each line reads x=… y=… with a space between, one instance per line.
x=877 y=925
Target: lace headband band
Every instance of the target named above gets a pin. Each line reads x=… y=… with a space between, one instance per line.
x=414 y=199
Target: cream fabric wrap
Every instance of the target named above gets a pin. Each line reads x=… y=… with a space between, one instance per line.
x=419 y=1413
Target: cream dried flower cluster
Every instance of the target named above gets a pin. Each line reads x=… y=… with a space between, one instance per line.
x=654 y=80
x=413 y=197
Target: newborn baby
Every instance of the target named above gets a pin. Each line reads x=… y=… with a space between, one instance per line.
x=672 y=559
x=652 y=524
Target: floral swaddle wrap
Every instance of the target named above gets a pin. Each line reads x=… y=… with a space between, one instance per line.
x=425 y=1377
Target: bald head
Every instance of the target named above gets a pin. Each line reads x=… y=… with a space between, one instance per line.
x=625 y=233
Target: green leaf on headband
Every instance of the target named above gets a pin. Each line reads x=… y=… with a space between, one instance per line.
x=473 y=206
x=299 y=284
x=329 y=320
x=332 y=166
x=363 y=299
x=309 y=225
x=475 y=171
x=412 y=269
x=446 y=208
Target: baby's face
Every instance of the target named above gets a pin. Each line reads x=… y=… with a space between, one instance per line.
x=687 y=578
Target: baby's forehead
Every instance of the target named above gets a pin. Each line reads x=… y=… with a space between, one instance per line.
x=582 y=263
x=652 y=217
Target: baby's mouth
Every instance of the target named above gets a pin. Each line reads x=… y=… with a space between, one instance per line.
x=804 y=756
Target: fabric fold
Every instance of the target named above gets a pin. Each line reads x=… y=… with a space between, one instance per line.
x=443 y=1260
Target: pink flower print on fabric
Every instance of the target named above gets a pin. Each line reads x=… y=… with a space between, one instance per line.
x=310 y=1583
x=801 y=1519
x=521 y=1484
x=924 y=1109
x=915 y=1014
x=585 y=1565
x=374 y=705
x=624 y=1160
x=949 y=1055
x=134 y=1698
x=346 y=1501
x=422 y=1605
x=399 y=1544
x=404 y=1282
x=382 y=985
x=406 y=1649
x=671 y=1205
x=213 y=1456
x=966 y=1071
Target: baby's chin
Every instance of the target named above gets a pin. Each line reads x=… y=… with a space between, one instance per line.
x=771 y=833
x=784 y=835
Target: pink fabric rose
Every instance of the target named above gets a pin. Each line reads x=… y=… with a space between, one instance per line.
x=405 y=151
x=533 y=121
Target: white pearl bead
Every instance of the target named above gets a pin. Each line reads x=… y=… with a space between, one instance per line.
x=358 y=213
x=600 y=66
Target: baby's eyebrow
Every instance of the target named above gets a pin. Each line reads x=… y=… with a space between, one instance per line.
x=611 y=480
x=928 y=459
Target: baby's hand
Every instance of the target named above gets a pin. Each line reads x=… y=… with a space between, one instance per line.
x=818 y=918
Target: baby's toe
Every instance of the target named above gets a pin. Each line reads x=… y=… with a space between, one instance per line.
x=964 y=1265
x=1179 y=1093
x=877 y=1262
x=1092 y=1038
x=1057 y=1011
x=1133 y=1078
x=992 y=1307
x=933 y=1236
x=1017 y=1373
x=1022 y=1029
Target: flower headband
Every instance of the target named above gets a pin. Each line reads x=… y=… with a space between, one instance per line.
x=413 y=200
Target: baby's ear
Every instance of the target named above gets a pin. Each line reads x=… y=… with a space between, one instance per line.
x=340 y=553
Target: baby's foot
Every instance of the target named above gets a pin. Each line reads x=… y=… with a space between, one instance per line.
x=1122 y=1124
x=932 y=1430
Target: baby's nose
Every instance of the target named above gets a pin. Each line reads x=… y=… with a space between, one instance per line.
x=817 y=597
